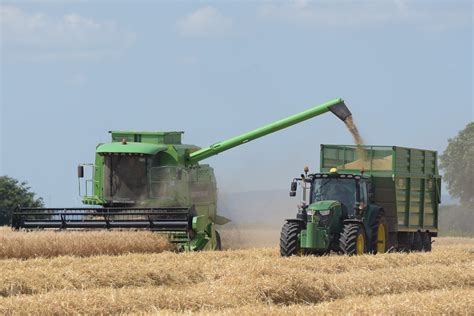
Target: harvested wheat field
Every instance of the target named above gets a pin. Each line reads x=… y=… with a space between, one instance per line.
x=247 y=281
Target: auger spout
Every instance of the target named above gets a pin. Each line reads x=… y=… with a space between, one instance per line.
x=336 y=106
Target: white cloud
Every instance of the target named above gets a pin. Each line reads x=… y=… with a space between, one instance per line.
x=205 y=21
x=368 y=13
x=37 y=36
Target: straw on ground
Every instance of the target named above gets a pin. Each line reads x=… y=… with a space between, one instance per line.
x=243 y=282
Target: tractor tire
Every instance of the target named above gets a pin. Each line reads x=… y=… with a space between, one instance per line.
x=378 y=241
x=353 y=240
x=289 y=243
x=218 y=241
x=426 y=241
x=417 y=244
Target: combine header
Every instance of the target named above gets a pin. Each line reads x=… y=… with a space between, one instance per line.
x=155 y=219
x=150 y=180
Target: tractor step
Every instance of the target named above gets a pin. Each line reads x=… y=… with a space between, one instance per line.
x=170 y=219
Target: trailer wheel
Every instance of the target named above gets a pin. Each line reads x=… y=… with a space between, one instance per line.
x=289 y=243
x=379 y=234
x=218 y=241
x=353 y=240
x=417 y=244
x=426 y=241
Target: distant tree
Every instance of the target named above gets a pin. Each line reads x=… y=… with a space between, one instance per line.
x=457 y=162
x=12 y=194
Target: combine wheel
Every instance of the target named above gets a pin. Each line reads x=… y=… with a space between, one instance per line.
x=426 y=241
x=353 y=240
x=417 y=242
x=218 y=241
x=289 y=243
x=379 y=234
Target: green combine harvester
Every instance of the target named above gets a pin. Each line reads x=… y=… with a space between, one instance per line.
x=366 y=199
x=151 y=181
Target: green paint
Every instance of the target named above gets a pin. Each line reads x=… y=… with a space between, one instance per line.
x=323 y=205
x=130 y=148
x=314 y=237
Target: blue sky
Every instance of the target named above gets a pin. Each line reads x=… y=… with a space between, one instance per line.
x=73 y=70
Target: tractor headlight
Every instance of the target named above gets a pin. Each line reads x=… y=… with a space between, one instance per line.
x=324 y=212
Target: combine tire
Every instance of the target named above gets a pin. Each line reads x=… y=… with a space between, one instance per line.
x=289 y=243
x=218 y=241
x=379 y=234
x=353 y=239
x=426 y=241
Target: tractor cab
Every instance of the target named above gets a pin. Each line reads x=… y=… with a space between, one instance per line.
x=350 y=190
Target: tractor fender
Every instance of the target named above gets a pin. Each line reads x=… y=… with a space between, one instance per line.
x=296 y=220
x=373 y=215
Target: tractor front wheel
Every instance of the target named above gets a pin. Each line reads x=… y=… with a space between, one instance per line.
x=353 y=240
x=289 y=243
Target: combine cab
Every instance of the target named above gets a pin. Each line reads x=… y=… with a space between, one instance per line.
x=151 y=181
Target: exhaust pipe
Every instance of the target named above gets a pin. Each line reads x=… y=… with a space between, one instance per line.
x=340 y=110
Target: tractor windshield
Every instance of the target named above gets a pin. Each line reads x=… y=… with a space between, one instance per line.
x=338 y=189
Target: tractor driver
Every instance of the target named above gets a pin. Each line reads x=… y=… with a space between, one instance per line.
x=338 y=191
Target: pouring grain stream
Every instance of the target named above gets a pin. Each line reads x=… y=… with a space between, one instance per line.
x=352 y=127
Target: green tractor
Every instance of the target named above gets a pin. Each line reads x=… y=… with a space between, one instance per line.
x=367 y=199
x=152 y=181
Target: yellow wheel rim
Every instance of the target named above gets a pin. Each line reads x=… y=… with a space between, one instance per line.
x=381 y=241
x=360 y=245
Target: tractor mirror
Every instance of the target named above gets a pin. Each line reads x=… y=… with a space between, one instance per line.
x=294 y=186
x=80 y=171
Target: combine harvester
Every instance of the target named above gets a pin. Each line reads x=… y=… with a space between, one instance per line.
x=366 y=199
x=150 y=181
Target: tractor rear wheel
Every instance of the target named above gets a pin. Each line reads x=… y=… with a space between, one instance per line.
x=379 y=234
x=353 y=240
x=289 y=243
